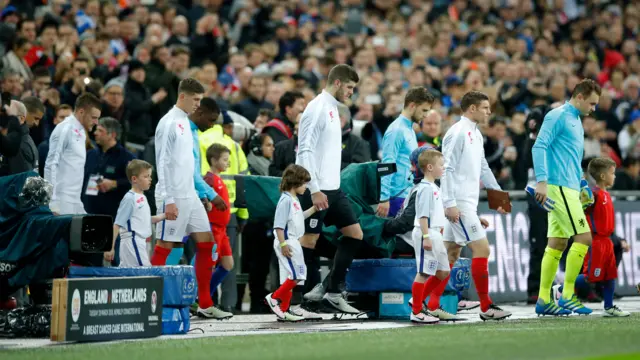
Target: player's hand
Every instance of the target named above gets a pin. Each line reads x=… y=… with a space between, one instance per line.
x=320 y=201
x=219 y=203
x=501 y=210
x=383 y=209
x=171 y=211
x=107 y=185
x=484 y=223
x=541 y=192
x=109 y=255
x=427 y=244
x=452 y=214
x=286 y=251
x=624 y=245
x=207 y=205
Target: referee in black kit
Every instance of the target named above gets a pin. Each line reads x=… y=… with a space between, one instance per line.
x=320 y=151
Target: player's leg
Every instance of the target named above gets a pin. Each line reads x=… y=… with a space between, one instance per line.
x=127 y=253
x=575 y=222
x=610 y=270
x=169 y=234
x=426 y=267
x=176 y=253
x=453 y=253
x=313 y=289
x=199 y=229
x=225 y=257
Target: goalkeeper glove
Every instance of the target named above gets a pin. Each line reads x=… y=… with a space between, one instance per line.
x=548 y=204
x=586 y=195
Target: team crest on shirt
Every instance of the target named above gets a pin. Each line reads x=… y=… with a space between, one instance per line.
x=474 y=229
x=431 y=266
x=181 y=129
x=296 y=206
x=140 y=202
x=435 y=194
x=470 y=137
x=331 y=115
x=301 y=269
x=596 y=272
x=313 y=223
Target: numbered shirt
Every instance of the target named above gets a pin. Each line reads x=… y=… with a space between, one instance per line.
x=429 y=204
x=134 y=216
x=289 y=217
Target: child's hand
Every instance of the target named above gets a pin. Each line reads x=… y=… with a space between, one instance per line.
x=109 y=255
x=286 y=251
x=426 y=244
x=484 y=223
x=624 y=245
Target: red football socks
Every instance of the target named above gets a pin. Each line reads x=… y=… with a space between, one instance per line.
x=434 y=300
x=429 y=286
x=284 y=293
x=417 y=290
x=160 y=255
x=480 y=274
x=204 y=266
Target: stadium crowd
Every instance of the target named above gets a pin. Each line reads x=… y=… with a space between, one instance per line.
x=265 y=60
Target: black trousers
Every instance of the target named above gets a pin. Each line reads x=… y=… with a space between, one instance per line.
x=258 y=237
x=537 y=243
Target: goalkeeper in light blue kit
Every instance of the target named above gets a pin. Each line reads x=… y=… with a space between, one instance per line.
x=557 y=159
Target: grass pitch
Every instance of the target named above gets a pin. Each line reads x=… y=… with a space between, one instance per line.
x=575 y=337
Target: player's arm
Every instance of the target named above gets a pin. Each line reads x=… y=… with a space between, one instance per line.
x=282 y=217
x=452 y=146
x=424 y=205
x=57 y=144
x=123 y=216
x=164 y=166
x=203 y=189
x=487 y=176
x=391 y=143
x=404 y=222
x=547 y=134
x=311 y=126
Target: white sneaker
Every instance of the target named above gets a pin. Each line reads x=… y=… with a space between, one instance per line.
x=615 y=312
x=557 y=293
x=494 y=313
x=214 y=313
x=274 y=306
x=422 y=318
x=338 y=302
x=306 y=314
x=291 y=316
x=316 y=293
x=465 y=305
x=443 y=315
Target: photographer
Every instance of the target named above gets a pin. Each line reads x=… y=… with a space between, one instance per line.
x=29 y=113
x=11 y=130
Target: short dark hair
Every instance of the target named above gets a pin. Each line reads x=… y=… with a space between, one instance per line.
x=41 y=71
x=418 y=95
x=215 y=151
x=87 y=101
x=135 y=167
x=599 y=166
x=210 y=105
x=180 y=50
x=293 y=177
x=343 y=73
x=63 y=107
x=111 y=125
x=630 y=161
x=81 y=59
x=190 y=86
x=288 y=99
x=472 y=98
x=33 y=105
x=586 y=87
x=496 y=120
x=267 y=112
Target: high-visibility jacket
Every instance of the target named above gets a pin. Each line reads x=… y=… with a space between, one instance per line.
x=237 y=163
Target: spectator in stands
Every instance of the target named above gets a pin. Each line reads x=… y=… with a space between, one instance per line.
x=26 y=159
x=281 y=127
x=139 y=101
x=628 y=176
x=11 y=82
x=113 y=104
x=430 y=129
x=354 y=149
x=14 y=59
x=254 y=101
x=260 y=154
x=105 y=176
x=629 y=137
x=71 y=89
x=284 y=153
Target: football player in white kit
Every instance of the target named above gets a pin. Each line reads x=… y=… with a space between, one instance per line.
x=176 y=193
x=133 y=220
x=288 y=227
x=465 y=167
x=431 y=254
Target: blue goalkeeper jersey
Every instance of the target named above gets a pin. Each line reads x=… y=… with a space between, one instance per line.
x=559 y=148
